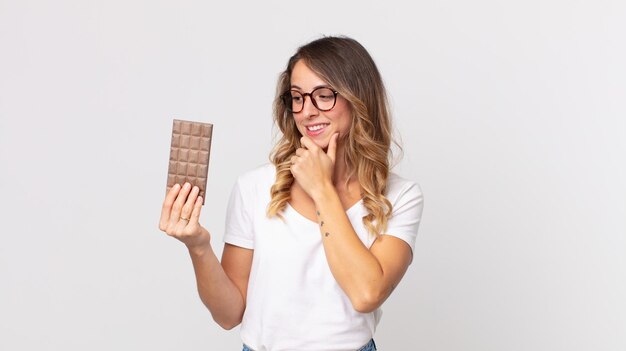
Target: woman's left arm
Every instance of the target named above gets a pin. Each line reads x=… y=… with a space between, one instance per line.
x=367 y=276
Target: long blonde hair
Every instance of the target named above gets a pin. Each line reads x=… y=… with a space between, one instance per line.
x=344 y=64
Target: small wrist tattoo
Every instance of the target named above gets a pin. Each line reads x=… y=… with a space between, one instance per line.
x=322 y=224
x=327 y=234
x=318 y=212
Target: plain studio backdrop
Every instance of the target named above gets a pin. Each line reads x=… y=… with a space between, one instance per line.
x=511 y=114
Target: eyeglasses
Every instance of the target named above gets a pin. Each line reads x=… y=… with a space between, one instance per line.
x=323 y=99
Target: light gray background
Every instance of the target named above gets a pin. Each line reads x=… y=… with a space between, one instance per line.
x=512 y=116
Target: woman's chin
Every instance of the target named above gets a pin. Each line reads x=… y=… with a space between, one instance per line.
x=323 y=144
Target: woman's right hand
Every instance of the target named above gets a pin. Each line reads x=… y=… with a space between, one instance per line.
x=180 y=216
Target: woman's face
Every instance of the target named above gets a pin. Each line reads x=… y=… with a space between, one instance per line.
x=318 y=125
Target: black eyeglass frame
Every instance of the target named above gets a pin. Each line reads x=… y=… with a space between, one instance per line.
x=286 y=98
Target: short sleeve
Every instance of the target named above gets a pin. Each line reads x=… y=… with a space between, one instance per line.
x=239 y=229
x=407 y=204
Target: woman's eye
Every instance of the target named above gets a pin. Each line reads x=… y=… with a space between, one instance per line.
x=296 y=98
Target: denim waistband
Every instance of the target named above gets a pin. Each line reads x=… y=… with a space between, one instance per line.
x=370 y=346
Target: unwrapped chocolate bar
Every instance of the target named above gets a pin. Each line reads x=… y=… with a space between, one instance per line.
x=189 y=154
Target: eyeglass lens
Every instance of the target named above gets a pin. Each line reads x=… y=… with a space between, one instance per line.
x=323 y=99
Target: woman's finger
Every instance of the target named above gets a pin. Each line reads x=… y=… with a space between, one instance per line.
x=308 y=143
x=332 y=147
x=179 y=203
x=167 y=206
x=195 y=214
x=185 y=214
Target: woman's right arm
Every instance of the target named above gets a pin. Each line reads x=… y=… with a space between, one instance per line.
x=222 y=287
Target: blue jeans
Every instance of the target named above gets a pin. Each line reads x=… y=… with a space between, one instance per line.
x=370 y=346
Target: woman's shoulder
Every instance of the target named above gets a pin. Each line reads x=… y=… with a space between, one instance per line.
x=398 y=187
x=260 y=176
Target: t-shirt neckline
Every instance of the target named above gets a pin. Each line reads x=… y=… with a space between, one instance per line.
x=303 y=217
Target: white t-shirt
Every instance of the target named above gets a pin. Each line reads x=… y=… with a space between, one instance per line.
x=294 y=302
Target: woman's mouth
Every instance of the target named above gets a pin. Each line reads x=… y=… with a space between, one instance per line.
x=316 y=129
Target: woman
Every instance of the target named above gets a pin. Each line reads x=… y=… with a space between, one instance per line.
x=317 y=240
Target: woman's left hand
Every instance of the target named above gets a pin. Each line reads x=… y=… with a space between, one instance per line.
x=312 y=167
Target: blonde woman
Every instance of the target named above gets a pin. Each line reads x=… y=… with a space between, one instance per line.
x=317 y=240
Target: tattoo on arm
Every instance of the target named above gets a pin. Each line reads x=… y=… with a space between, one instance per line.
x=322 y=223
